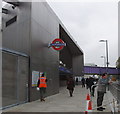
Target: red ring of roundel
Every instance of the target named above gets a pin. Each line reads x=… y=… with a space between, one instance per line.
x=61 y=47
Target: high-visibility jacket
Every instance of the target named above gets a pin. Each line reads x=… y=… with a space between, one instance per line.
x=42 y=82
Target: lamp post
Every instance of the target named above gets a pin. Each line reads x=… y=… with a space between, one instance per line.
x=104 y=60
x=107 y=63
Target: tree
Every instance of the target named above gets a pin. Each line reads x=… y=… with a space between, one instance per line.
x=118 y=63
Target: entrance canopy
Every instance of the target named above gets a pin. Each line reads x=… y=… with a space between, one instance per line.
x=64 y=70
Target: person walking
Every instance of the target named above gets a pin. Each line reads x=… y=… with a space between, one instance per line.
x=42 y=85
x=86 y=82
x=76 y=81
x=71 y=85
x=90 y=83
x=83 y=82
x=93 y=88
x=101 y=90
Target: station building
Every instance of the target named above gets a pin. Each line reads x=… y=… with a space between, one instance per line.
x=27 y=30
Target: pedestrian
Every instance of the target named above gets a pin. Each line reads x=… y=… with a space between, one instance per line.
x=70 y=85
x=83 y=82
x=91 y=83
x=42 y=85
x=76 y=81
x=93 y=88
x=86 y=82
x=101 y=90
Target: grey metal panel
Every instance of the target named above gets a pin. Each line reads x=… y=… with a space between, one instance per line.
x=66 y=57
x=71 y=55
x=69 y=42
x=9 y=79
x=14 y=79
x=17 y=35
x=22 y=79
x=78 y=65
x=119 y=29
x=45 y=18
x=44 y=29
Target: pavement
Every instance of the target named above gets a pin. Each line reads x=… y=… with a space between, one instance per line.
x=62 y=102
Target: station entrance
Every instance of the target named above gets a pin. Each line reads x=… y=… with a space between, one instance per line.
x=15 y=71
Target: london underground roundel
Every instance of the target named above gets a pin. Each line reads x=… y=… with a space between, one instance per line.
x=57 y=44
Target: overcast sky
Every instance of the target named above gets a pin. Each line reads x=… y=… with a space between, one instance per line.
x=89 y=22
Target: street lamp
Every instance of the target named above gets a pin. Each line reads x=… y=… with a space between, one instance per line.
x=104 y=60
x=107 y=63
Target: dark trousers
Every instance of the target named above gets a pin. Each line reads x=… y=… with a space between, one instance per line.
x=71 y=92
x=83 y=84
x=100 y=96
x=76 y=83
x=87 y=86
x=42 y=92
x=92 y=90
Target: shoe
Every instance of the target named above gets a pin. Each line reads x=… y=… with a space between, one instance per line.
x=102 y=108
x=42 y=99
x=99 y=109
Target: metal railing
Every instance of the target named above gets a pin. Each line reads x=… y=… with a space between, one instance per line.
x=115 y=90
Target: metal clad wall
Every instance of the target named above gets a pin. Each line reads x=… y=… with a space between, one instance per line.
x=65 y=54
x=16 y=36
x=15 y=79
x=78 y=65
x=23 y=71
x=44 y=29
x=119 y=32
x=66 y=57
x=71 y=55
x=9 y=79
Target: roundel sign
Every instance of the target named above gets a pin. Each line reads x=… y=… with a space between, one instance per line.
x=57 y=44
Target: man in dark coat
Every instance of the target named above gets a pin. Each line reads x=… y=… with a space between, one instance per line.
x=71 y=85
x=87 y=81
x=91 y=81
x=76 y=81
x=83 y=82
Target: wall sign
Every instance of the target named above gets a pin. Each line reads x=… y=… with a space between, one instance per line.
x=35 y=76
x=57 y=44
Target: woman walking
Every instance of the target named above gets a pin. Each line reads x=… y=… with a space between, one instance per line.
x=71 y=85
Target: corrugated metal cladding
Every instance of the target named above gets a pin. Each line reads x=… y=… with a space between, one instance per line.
x=35 y=27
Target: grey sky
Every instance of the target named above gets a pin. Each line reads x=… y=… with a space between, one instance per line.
x=89 y=22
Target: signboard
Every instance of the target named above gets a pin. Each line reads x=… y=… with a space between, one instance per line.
x=35 y=76
x=57 y=44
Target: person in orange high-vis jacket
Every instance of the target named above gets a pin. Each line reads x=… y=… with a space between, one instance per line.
x=42 y=85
